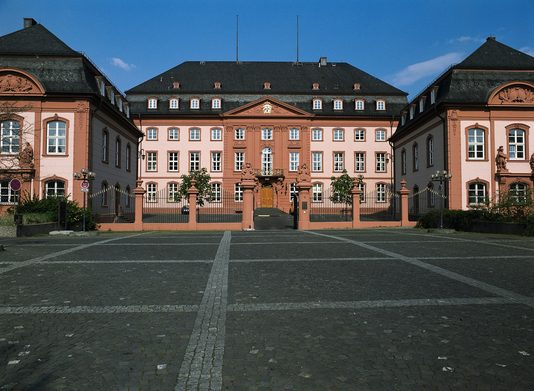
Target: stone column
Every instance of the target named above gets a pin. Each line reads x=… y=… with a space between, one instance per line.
x=192 y=195
x=304 y=205
x=356 y=207
x=139 y=192
x=247 y=223
x=404 y=203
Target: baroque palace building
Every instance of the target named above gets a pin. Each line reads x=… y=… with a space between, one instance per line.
x=277 y=116
x=60 y=115
x=474 y=121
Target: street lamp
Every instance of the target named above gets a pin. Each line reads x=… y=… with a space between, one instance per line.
x=84 y=175
x=441 y=177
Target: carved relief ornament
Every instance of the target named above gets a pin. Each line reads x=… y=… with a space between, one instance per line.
x=513 y=94
x=11 y=83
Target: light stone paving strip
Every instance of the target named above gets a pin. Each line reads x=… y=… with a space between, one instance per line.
x=62 y=252
x=515 y=297
x=128 y=261
x=113 y=309
x=367 y=304
x=164 y=244
x=309 y=259
x=202 y=365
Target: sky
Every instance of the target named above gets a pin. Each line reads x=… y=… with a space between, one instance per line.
x=405 y=43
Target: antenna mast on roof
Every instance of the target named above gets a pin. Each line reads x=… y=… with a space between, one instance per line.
x=237 y=39
x=297 y=39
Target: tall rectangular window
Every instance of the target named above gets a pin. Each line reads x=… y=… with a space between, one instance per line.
x=380 y=135
x=216 y=161
x=415 y=153
x=194 y=161
x=380 y=192
x=9 y=137
x=173 y=161
x=292 y=191
x=476 y=144
x=152 y=161
x=238 y=192
x=173 y=194
x=380 y=162
x=516 y=144
x=216 y=134
x=339 y=134
x=128 y=157
x=118 y=154
x=152 y=134
x=293 y=161
x=339 y=164
x=359 y=161
x=430 y=151
x=215 y=192
x=56 y=137
x=151 y=192
x=239 y=160
x=317 y=192
x=317 y=161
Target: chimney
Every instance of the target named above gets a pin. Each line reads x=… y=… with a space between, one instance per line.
x=322 y=62
x=29 y=22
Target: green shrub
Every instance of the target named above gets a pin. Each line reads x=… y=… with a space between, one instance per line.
x=6 y=220
x=37 y=218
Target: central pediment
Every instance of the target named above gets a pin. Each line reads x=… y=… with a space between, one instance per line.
x=267 y=107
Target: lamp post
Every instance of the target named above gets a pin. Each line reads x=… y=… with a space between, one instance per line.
x=84 y=175
x=441 y=177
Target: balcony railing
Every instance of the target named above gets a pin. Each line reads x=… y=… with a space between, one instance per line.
x=276 y=172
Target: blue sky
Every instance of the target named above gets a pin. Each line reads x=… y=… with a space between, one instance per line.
x=406 y=43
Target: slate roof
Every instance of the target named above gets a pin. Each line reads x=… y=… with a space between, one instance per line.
x=471 y=81
x=243 y=82
x=248 y=77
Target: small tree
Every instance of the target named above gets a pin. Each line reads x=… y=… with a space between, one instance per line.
x=202 y=183
x=342 y=188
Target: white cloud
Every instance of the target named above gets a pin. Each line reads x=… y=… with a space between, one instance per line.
x=528 y=50
x=119 y=63
x=420 y=70
x=466 y=38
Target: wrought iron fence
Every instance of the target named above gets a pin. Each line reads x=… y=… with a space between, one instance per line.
x=221 y=208
x=330 y=208
x=380 y=206
x=162 y=207
x=113 y=205
x=424 y=201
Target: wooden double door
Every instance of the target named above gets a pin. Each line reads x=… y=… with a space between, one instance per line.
x=266 y=196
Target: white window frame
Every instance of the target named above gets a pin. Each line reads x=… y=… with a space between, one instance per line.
x=267 y=160
x=56 y=190
x=359 y=134
x=518 y=192
x=194 y=161
x=317 y=104
x=216 y=134
x=238 y=192
x=380 y=135
x=516 y=148
x=380 y=158
x=151 y=192
x=359 y=161
x=9 y=137
x=267 y=133
x=174 y=104
x=216 y=192
x=317 y=161
x=339 y=161
x=317 y=192
x=477 y=193
x=317 y=134
x=173 y=134
x=194 y=134
x=239 y=133
x=216 y=103
x=173 y=192
x=381 y=191
x=294 y=134
x=152 y=134
x=294 y=158
x=338 y=134
x=194 y=104
x=7 y=196
x=476 y=149
x=173 y=161
x=359 y=104
x=152 y=103
x=151 y=161
x=239 y=160
x=381 y=105
x=338 y=104
x=216 y=161
x=60 y=141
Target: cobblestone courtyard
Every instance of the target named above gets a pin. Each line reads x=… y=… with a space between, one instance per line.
x=280 y=310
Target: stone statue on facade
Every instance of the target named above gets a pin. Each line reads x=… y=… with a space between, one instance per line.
x=248 y=172
x=26 y=156
x=303 y=174
x=500 y=159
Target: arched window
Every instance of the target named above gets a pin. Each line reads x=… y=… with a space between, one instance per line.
x=338 y=104
x=128 y=202
x=174 y=103
x=266 y=160
x=516 y=144
x=56 y=137
x=430 y=151
x=128 y=157
x=104 y=194
x=216 y=103
x=477 y=193
x=152 y=103
x=476 y=144
x=359 y=104
x=403 y=162
x=415 y=200
x=430 y=196
x=195 y=103
x=105 y=146
x=9 y=137
x=518 y=192
x=55 y=188
x=118 y=152
x=317 y=104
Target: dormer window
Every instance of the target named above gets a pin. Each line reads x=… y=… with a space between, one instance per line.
x=315 y=86
x=216 y=103
x=412 y=111
x=356 y=87
x=101 y=85
x=174 y=103
x=127 y=109
x=175 y=85
x=359 y=104
x=111 y=95
x=195 y=103
x=433 y=94
x=381 y=105
x=422 y=104
x=152 y=103
x=217 y=85
x=266 y=85
x=119 y=104
x=338 y=104
x=317 y=104
x=403 y=118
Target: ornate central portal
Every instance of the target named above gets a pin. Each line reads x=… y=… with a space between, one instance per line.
x=266 y=196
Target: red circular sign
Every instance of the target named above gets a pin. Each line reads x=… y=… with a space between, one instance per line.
x=85 y=185
x=15 y=184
